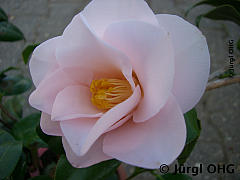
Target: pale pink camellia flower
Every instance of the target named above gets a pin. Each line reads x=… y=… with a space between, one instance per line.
x=116 y=83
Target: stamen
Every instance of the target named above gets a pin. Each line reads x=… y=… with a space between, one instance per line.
x=107 y=93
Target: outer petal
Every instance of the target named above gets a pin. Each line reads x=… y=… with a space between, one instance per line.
x=110 y=118
x=74 y=102
x=79 y=47
x=150 y=51
x=43 y=60
x=43 y=97
x=76 y=130
x=149 y=144
x=101 y=13
x=192 y=60
x=48 y=126
x=93 y=156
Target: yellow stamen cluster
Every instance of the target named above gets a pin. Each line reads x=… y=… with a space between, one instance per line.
x=107 y=93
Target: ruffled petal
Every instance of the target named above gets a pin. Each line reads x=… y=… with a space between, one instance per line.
x=192 y=60
x=50 y=127
x=101 y=13
x=93 y=156
x=79 y=47
x=149 y=144
x=150 y=50
x=74 y=102
x=43 y=60
x=44 y=96
x=110 y=118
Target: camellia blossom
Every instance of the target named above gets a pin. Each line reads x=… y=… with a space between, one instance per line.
x=116 y=83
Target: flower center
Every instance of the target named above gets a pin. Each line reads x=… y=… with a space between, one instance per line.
x=107 y=93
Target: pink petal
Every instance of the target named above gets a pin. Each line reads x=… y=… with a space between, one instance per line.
x=93 y=156
x=150 y=50
x=149 y=144
x=74 y=102
x=50 y=127
x=110 y=118
x=43 y=60
x=79 y=47
x=192 y=60
x=79 y=75
x=119 y=123
x=43 y=97
x=76 y=131
x=101 y=13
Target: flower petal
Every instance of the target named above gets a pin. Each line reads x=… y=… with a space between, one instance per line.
x=110 y=118
x=79 y=47
x=192 y=60
x=76 y=131
x=93 y=156
x=43 y=60
x=149 y=144
x=101 y=13
x=150 y=50
x=119 y=123
x=79 y=75
x=43 y=97
x=50 y=127
x=74 y=102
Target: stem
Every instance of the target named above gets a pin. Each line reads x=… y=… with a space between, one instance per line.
x=7 y=113
x=216 y=73
x=220 y=71
x=5 y=124
x=222 y=82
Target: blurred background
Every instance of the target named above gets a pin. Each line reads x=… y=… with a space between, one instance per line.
x=218 y=110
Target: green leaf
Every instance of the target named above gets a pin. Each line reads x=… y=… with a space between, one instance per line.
x=14 y=85
x=224 y=12
x=234 y=3
x=188 y=148
x=113 y=176
x=54 y=142
x=20 y=171
x=10 y=151
x=193 y=125
x=9 y=32
x=99 y=171
x=25 y=130
x=193 y=132
x=198 y=19
x=14 y=107
x=27 y=52
x=42 y=177
x=2 y=73
x=171 y=176
x=137 y=171
x=3 y=15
